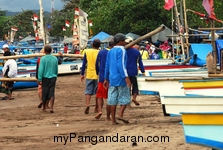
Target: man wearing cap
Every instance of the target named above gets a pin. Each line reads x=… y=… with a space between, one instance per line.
x=116 y=73
x=5 y=48
x=134 y=58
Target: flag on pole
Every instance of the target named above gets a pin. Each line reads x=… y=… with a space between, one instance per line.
x=67 y=23
x=64 y=29
x=35 y=17
x=168 y=4
x=83 y=29
x=14 y=29
x=90 y=23
x=76 y=11
x=209 y=7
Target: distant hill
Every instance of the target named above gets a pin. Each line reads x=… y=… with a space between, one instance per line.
x=10 y=13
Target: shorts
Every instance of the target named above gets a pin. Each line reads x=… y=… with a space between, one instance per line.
x=102 y=92
x=48 y=88
x=119 y=95
x=91 y=86
x=39 y=88
x=135 y=89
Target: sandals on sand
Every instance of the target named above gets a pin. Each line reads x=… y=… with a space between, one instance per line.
x=135 y=102
x=123 y=120
x=87 y=110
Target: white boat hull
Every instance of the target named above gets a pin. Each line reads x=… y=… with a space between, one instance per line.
x=177 y=104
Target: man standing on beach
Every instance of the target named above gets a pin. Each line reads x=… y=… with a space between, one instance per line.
x=47 y=76
x=89 y=62
x=102 y=92
x=134 y=59
x=117 y=79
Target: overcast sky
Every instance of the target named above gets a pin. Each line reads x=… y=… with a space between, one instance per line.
x=18 y=5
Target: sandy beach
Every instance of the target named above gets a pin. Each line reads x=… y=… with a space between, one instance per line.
x=23 y=126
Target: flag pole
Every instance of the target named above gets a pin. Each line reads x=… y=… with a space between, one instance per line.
x=186 y=28
x=172 y=36
x=178 y=25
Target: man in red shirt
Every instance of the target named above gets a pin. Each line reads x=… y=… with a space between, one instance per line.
x=65 y=48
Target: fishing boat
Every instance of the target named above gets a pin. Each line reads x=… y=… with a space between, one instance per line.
x=69 y=67
x=177 y=72
x=207 y=87
x=158 y=62
x=22 y=85
x=173 y=105
x=168 y=84
x=203 y=129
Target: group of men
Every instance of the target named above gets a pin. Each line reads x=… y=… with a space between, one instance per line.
x=117 y=68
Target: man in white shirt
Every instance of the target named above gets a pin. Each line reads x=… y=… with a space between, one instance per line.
x=9 y=71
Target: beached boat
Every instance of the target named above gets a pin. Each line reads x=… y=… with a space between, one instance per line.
x=153 y=62
x=208 y=87
x=175 y=104
x=177 y=72
x=203 y=129
x=168 y=85
x=160 y=85
x=22 y=85
x=69 y=67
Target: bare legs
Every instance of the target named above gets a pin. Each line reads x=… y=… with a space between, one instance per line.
x=88 y=98
x=108 y=109
x=113 y=112
x=134 y=99
x=99 y=103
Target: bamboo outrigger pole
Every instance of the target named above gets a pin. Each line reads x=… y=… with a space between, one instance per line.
x=159 y=29
x=39 y=55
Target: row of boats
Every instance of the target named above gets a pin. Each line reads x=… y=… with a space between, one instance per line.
x=187 y=91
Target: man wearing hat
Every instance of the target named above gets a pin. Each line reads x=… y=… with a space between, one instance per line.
x=5 y=48
x=117 y=76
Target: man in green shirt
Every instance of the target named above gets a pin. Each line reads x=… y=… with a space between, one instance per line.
x=47 y=76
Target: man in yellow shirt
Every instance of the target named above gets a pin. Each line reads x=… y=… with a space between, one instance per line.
x=89 y=62
x=144 y=53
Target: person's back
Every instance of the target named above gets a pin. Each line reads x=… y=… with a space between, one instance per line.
x=91 y=55
x=115 y=60
x=144 y=53
x=12 y=65
x=101 y=60
x=132 y=61
x=48 y=66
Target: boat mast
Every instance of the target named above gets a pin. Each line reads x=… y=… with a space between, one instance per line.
x=186 y=27
x=41 y=22
x=178 y=25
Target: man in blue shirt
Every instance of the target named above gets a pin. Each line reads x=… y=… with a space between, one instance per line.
x=102 y=92
x=134 y=58
x=116 y=74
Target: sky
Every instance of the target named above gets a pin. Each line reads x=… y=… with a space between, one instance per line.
x=18 y=5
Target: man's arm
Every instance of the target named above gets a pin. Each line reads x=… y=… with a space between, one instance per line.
x=40 y=71
x=122 y=63
x=97 y=63
x=141 y=66
x=83 y=67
